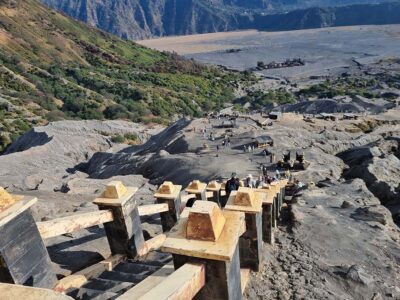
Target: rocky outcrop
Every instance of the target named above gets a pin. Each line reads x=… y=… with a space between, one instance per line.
x=378 y=167
x=46 y=157
x=378 y=164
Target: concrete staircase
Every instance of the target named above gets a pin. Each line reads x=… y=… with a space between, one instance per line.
x=111 y=284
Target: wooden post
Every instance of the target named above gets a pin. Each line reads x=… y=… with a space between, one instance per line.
x=250 y=243
x=215 y=188
x=208 y=236
x=124 y=234
x=170 y=194
x=23 y=257
x=198 y=189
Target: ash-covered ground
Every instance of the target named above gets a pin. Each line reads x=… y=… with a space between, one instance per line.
x=326 y=51
x=337 y=238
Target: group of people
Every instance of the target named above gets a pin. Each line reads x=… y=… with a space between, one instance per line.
x=207 y=135
x=226 y=142
x=249 y=148
x=233 y=183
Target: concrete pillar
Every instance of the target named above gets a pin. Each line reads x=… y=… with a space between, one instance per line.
x=24 y=259
x=205 y=234
x=249 y=202
x=269 y=213
x=276 y=211
x=267 y=221
x=284 y=182
x=124 y=234
x=275 y=189
x=170 y=194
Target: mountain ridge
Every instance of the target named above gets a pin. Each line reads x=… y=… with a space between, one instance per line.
x=137 y=19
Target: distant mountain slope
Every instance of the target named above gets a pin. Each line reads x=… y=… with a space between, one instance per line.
x=373 y=14
x=137 y=19
x=52 y=67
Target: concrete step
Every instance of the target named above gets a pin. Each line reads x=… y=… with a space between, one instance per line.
x=112 y=286
x=121 y=276
x=89 y=294
x=136 y=268
x=159 y=264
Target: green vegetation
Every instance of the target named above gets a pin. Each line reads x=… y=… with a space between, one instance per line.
x=118 y=139
x=259 y=99
x=368 y=126
x=341 y=87
x=52 y=68
x=128 y=138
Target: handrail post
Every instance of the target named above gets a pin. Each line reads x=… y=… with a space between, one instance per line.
x=124 y=234
x=249 y=202
x=24 y=258
x=207 y=235
x=215 y=188
x=170 y=194
x=198 y=189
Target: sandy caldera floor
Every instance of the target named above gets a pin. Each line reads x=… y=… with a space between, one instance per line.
x=326 y=51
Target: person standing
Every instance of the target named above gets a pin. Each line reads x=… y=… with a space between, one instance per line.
x=265 y=170
x=232 y=185
x=250 y=182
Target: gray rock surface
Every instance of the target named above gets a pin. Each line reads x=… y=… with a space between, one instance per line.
x=332 y=253
x=47 y=157
x=335 y=240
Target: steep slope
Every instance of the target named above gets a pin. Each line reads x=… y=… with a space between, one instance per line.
x=138 y=19
x=52 y=67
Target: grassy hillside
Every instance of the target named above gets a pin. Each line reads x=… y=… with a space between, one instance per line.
x=52 y=67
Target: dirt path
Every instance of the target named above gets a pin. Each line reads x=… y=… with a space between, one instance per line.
x=289 y=272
